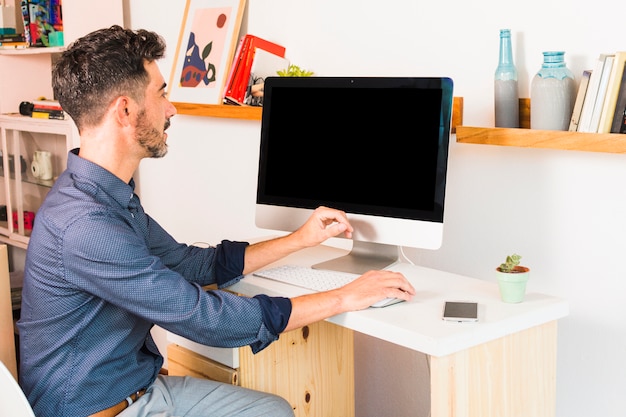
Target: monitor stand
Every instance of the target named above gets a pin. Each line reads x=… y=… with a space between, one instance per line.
x=363 y=257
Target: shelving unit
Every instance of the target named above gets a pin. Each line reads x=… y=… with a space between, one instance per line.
x=547 y=139
x=26 y=76
x=20 y=137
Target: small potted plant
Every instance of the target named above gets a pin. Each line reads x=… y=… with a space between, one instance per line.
x=512 y=279
x=294 y=71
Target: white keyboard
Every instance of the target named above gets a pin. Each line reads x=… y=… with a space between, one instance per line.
x=315 y=279
x=309 y=278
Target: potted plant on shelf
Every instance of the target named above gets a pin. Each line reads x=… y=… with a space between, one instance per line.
x=512 y=279
x=294 y=71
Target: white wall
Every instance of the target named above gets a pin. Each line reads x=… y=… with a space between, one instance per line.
x=564 y=211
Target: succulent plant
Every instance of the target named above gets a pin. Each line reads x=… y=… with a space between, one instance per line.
x=294 y=71
x=509 y=265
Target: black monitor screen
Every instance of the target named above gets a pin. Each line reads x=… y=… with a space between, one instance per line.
x=367 y=145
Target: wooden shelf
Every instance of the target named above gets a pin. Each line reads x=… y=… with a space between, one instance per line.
x=254 y=113
x=219 y=110
x=549 y=139
x=32 y=51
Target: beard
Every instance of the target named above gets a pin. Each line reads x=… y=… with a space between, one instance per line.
x=150 y=138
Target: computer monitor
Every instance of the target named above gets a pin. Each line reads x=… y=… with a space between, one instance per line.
x=375 y=147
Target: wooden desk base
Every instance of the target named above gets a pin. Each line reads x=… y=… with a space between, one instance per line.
x=313 y=368
x=514 y=376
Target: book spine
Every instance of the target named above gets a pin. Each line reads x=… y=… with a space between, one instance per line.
x=42 y=115
x=47 y=104
x=48 y=114
x=237 y=73
x=622 y=128
x=14 y=45
x=18 y=37
x=592 y=94
x=35 y=39
x=25 y=6
x=612 y=90
x=594 y=124
x=55 y=108
x=620 y=107
x=234 y=64
x=580 y=99
x=240 y=84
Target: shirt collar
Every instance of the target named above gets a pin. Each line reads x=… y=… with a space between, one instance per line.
x=94 y=176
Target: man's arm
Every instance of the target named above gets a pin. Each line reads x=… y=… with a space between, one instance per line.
x=371 y=287
x=361 y=293
x=323 y=224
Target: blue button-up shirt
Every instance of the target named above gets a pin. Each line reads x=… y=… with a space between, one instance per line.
x=99 y=274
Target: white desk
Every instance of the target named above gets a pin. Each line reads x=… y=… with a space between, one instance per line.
x=502 y=366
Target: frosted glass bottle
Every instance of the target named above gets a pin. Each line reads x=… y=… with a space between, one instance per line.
x=506 y=95
x=552 y=94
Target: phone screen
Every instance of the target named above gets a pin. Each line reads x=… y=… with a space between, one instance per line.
x=460 y=311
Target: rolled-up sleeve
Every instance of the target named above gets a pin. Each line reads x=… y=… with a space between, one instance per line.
x=229 y=262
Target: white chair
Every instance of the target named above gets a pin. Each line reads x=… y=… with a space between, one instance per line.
x=14 y=402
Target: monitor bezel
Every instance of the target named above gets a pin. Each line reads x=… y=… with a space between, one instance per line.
x=289 y=213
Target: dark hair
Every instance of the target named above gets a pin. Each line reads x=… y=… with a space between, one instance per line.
x=99 y=67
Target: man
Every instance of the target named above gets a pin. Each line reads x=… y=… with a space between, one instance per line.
x=100 y=272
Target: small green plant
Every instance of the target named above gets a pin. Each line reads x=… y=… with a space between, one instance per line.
x=511 y=262
x=294 y=71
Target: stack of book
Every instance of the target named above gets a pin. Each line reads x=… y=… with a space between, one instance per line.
x=13 y=41
x=255 y=59
x=600 y=104
x=47 y=109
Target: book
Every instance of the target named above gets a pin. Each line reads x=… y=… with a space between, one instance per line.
x=47 y=109
x=15 y=37
x=242 y=77
x=265 y=64
x=580 y=99
x=25 y=8
x=592 y=94
x=602 y=87
x=47 y=114
x=622 y=127
x=236 y=66
x=47 y=104
x=612 y=90
x=14 y=45
x=620 y=107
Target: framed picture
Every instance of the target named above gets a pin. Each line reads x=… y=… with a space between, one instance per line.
x=206 y=45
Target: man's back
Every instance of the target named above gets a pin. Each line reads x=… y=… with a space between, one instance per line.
x=71 y=338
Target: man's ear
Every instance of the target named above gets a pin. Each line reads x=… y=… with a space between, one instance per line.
x=121 y=108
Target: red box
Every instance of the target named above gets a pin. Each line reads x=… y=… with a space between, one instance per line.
x=29 y=219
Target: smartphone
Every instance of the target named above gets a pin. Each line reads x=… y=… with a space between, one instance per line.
x=460 y=311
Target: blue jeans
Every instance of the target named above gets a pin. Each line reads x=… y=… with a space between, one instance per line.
x=172 y=396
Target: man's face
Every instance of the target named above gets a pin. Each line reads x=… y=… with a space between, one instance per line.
x=154 y=118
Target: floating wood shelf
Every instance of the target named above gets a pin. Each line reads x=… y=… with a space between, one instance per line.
x=547 y=139
x=254 y=113
x=219 y=110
